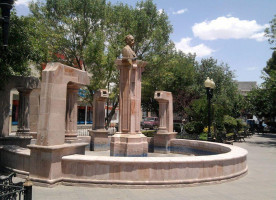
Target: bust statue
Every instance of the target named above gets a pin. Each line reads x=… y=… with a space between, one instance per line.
x=128 y=54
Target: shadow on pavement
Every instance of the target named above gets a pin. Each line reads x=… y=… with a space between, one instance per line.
x=269 y=140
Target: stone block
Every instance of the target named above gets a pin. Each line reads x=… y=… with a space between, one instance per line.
x=99 y=140
x=129 y=145
x=162 y=142
x=45 y=161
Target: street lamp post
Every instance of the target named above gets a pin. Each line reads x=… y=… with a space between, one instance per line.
x=6 y=6
x=209 y=85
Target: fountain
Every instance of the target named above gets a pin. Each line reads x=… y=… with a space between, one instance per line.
x=59 y=157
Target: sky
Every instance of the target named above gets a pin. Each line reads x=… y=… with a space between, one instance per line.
x=231 y=31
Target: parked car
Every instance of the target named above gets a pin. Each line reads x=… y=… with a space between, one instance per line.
x=150 y=122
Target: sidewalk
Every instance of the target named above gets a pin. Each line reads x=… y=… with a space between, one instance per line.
x=258 y=184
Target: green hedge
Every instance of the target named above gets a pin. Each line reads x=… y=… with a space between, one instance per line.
x=149 y=133
x=194 y=127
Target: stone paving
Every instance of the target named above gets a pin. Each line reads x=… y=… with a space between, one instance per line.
x=259 y=183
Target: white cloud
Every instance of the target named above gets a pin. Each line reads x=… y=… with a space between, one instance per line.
x=22 y=2
x=252 y=68
x=259 y=37
x=160 y=11
x=201 y=50
x=228 y=28
x=180 y=11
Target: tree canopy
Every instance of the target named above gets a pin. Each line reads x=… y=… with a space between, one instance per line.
x=262 y=100
x=90 y=34
x=270 y=32
x=15 y=59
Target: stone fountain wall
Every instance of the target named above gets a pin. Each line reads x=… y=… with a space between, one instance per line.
x=227 y=162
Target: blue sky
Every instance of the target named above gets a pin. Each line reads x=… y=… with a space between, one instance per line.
x=230 y=31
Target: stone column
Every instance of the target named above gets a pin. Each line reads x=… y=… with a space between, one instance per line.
x=56 y=114
x=163 y=116
x=71 y=114
x=165 y=131
x=34 y=111
x=129 y=141
x=99 y=135
x=23 y=112
x=4 y=110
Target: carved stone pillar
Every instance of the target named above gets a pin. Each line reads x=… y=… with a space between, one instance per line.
x=23 y=112
x=129 y=141
x=163 y=116
x=165 y=131
x=34 y=111
x=99 y=136
x=71 y=114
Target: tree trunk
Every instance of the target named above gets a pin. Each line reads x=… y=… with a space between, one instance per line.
x=111 y=113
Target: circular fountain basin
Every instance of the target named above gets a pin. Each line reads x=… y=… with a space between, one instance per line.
x=189 y=162
x=213 y=162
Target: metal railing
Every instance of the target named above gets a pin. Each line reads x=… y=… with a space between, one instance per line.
x=15 y=191
x=83 y=130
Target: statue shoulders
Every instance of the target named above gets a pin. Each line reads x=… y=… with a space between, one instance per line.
x=128 y=52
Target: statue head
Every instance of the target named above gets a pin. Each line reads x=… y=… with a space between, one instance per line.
x=129 y=39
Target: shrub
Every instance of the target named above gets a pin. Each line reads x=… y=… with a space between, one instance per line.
x=203 y=136
x=194 y=127
x=241 y=125
x=230 y=123
x=149 y=133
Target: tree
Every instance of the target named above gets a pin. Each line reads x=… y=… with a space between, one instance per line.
x=16 y=59
x=226 y=98
x=68 y=26
x=259 y=102
x=92 y=32
x=262 y=101
x=270 y=32
x=173 y=72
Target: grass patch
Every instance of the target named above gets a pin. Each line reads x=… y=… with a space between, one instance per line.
x=203 y=136
x=149 y=133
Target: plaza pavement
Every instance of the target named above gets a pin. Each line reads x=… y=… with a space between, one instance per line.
x=258 y=184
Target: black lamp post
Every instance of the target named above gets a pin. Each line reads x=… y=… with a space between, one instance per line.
x=209 y=85
x=6 y=6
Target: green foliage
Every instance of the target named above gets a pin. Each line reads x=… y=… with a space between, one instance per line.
x=229 y=135
x=261 y=101
x=194 y=127
x=241 y=125
x=271 y=33
x=203 y=136
x=271 y=65
x=91 y=33
x=68 y=26
x=197 y=111
x=230 y=123
x=226 y=98
x=149 y=133
x=15 y=60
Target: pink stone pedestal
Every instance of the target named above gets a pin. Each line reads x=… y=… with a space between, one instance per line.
x=129 y=145
x=23 y=128
x=165 y=131
x=58 y=112
x=99 y=140
x=46 y=161
x=99 y=135
x=129 y=141
x=162 y=142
